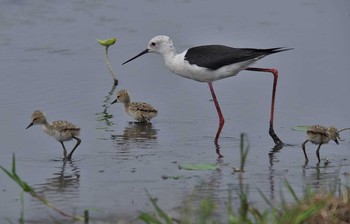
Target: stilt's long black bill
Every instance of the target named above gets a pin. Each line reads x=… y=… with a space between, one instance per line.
x=142 y=53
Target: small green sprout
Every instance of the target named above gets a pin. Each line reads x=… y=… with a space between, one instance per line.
x=107 y=42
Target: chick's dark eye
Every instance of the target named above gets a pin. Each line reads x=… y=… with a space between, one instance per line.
x=153 y=44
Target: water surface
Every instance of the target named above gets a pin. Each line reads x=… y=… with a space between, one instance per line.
x=51 y=61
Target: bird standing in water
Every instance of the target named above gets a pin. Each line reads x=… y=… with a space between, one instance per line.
x=320 y=135
x=140 y=111
x=210 y=63
x=61 y=130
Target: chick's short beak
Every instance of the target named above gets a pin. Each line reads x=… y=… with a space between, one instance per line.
x=336 y=141
x=31 y=124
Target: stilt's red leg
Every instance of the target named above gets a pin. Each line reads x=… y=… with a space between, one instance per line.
x=221 y=118
x=272 y=133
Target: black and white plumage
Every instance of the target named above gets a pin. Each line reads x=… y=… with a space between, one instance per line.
x=209 y=63
x=206 y=63
x=216 y=56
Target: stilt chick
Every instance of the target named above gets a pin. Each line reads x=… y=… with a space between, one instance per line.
x=140 y=111
x=320 y=135
x=61 y=130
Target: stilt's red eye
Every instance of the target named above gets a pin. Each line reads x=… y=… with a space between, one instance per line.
x=153 y=44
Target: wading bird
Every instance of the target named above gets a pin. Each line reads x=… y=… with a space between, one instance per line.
x=61 y=130
x=140 y=111
x=320 y=135
x=213 y=62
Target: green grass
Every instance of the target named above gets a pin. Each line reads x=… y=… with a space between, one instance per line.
x=331 y=206
x=312 y=208
x=27 y=189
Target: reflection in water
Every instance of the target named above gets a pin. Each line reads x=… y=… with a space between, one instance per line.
x=272 y=159
x=136 y=135
x=206 y=190
x=66 y=180
x=321 y=175
x=104 y=116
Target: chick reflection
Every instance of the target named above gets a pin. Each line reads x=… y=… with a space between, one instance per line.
x=137 y=134
x=66 y=180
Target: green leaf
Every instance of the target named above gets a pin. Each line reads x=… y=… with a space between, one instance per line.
x=14 y=163
x=107 y=42
x=162 y=214
x=291 y=190
x=149 y=219
x=301 y=128
x=199 y=166
x=304 y=216
x=7 y=172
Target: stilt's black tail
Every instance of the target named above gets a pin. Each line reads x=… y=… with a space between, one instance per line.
x=274 y=50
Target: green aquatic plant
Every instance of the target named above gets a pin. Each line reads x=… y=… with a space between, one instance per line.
x=160 y=216
x=28 y=189
x=312 y=208
x=107 y=43
x=198 y=166
x=244 y=149
x=301 y=127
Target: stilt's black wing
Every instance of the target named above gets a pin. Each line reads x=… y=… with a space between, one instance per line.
x=216 y=56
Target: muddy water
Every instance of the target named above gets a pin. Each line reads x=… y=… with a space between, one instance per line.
x=51 y=61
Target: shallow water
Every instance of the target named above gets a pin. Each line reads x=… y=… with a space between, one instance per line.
x=51 y=61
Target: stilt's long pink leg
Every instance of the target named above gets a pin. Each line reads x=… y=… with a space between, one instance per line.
x=272 y=133
x=221 y=118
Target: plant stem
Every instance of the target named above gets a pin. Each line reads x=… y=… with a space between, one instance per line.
x=109 y=66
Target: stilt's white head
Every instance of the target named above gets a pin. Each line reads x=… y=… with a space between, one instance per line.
x=160 y=44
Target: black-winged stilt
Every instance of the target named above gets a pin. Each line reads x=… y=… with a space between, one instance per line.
x=213 y=62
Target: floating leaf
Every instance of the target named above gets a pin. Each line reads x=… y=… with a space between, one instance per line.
x=107 y=42
x=199 y=166
x=301 y=128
